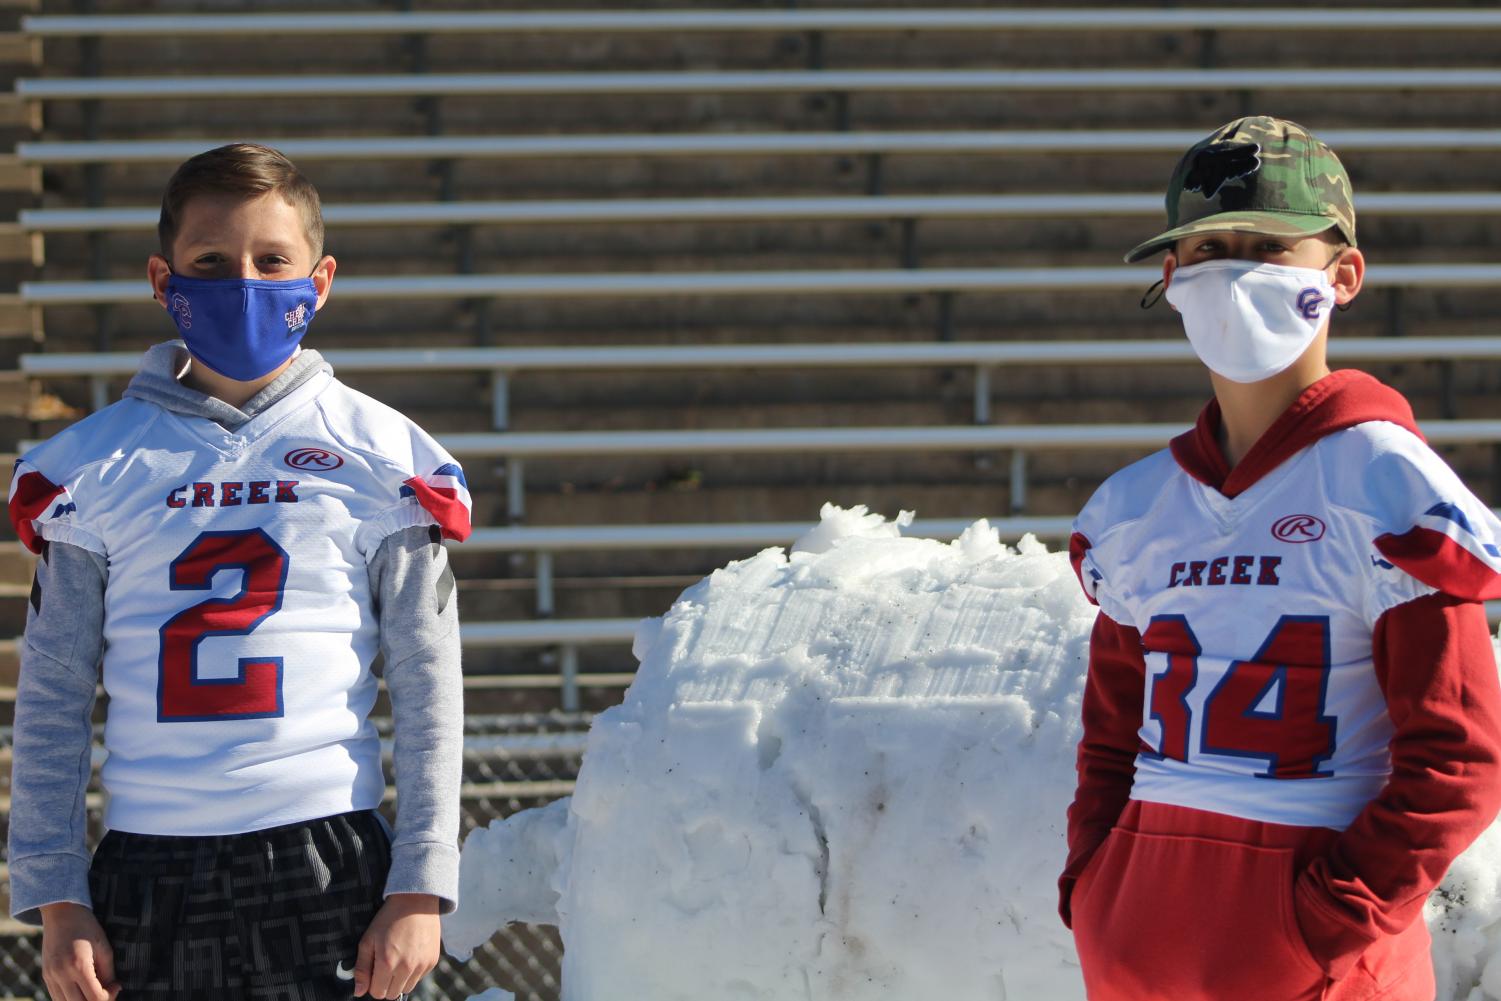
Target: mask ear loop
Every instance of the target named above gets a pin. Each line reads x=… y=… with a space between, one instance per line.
x=1343 y=307
x=1160 y=288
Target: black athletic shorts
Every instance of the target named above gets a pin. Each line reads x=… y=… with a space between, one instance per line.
x=273 y=915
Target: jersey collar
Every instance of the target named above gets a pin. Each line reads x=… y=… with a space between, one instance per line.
x=1338 y=401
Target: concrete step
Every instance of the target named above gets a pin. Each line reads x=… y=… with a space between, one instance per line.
x=625 y=177
x=789 y=49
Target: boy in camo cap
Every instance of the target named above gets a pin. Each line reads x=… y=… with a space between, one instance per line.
x=1292 y=720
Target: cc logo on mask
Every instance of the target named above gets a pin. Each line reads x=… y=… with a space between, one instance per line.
x=183 y=309
x=1309 y=301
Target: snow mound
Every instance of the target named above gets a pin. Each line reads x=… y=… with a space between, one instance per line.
x=843 y=773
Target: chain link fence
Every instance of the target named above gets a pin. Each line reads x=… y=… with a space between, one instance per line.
x=511 y=763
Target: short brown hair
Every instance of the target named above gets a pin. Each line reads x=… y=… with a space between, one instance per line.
x=240 y=169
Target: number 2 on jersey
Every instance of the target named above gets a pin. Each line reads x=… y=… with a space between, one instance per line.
x=1270 y=707
x=256 y=693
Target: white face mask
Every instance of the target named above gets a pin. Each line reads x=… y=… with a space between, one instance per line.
x=1246 y=320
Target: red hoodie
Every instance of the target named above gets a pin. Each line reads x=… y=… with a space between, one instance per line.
x=1359 y=892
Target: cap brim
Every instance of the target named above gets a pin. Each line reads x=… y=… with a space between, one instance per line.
x=1264 y=223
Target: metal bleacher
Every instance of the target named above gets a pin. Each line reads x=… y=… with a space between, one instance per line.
x=520 y=446
x=665 y=280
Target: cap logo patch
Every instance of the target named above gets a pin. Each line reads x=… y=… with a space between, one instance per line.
x=1219 y=163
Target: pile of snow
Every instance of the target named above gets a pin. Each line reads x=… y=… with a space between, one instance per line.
x=843 y=773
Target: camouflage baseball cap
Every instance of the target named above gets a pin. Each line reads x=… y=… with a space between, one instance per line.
x=1256 y=175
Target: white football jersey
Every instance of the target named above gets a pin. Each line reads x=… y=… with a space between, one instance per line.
x=239 y=628
x=1256 y=614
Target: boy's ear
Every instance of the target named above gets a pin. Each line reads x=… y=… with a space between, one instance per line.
x=1349 y=275
x=323 y=278
x=157 y=272
x=1169 y=265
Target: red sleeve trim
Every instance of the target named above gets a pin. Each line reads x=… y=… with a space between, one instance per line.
x=1078 y=545
x=445 y=505
x=1440 y=562
x=32 y=494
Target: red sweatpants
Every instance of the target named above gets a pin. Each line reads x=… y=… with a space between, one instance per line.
x=1184 y=905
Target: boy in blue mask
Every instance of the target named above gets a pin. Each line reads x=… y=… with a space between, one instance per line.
x=1292 y=721
x=234 y=542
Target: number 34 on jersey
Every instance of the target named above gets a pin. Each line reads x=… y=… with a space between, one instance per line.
x=1268 y=709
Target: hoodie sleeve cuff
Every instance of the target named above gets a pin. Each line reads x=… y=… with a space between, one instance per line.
x=1334 y=944
x=47 y=879
x=426 y=867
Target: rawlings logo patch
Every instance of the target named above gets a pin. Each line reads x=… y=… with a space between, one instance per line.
x=1298 y=528
x=320 y=459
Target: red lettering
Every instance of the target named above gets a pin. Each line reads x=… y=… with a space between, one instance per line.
x=1217 y=570
x=203 y=495
x=229 y=493
x=258 y=493
x=175 y=501
x=1268 y=575
x=285 y=493
x=1242 y=572
x=1170 y=637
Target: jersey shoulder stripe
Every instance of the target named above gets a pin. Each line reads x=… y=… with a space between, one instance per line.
x=444 y=494
x=44 y=497
x=405 y=459
x=1422 y=517
x=1124 y=498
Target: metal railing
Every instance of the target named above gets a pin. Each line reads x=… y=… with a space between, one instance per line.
x=516 y=448
x=503 y=364
x=602 y=84
x=900 y=207
x=937 y=19
x=841 y=143
x=894 y=281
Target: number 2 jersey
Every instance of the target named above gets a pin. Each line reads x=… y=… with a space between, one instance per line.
x=239 y=628
x=1256 y=610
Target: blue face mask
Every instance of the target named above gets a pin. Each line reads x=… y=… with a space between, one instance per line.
x=241 y=328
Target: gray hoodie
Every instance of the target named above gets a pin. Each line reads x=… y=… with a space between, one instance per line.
x=412 y=585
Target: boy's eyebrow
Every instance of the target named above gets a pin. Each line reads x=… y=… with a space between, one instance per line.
x=212 y=242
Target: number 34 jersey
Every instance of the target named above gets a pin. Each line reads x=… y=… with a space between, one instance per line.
x=1256 y=607
x=239 y=627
